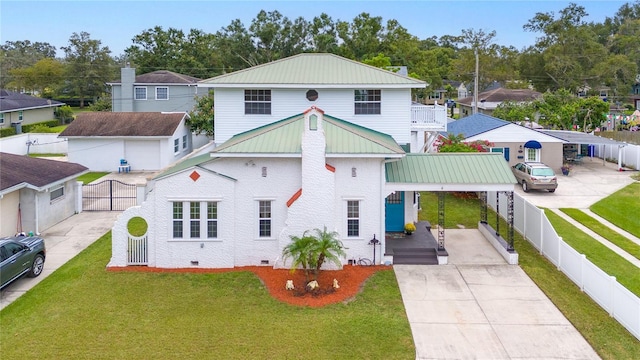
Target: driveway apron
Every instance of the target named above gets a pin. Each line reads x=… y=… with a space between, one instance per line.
x=479 y=307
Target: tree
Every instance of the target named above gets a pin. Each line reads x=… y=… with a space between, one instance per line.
x=311 y=252
x=201 y=119
x=89 y=66
x=361 y=38
x=455 y=143
x=515 y=111
x=42 y=77
x=323 y=34
x=21 y=54
x=327 y=247
x=562 y=110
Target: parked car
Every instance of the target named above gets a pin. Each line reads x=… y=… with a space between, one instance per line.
x=535 y=175
x=20 y=255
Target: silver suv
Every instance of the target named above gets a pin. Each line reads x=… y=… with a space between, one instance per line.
x=535 y=175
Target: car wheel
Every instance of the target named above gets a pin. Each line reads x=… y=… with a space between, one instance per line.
x=552 y=190
x=37 y=266
x=525 y=186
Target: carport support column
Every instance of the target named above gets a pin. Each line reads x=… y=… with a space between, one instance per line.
x=497 y=213
x=483 y=207
x=441 y=220
x=510 y=220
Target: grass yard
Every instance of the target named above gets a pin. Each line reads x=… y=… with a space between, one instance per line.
x=613 y=264
x=460 y=212
x=91 y=176
x=611 y=207
x=84 y=312
x=604 y=231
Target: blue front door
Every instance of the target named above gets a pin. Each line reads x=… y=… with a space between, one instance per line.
x=394 y=212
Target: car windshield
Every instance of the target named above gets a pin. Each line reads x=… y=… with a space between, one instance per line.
x=542 y=172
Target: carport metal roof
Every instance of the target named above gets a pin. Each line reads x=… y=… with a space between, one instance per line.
x=450 y=172
x=576 y=137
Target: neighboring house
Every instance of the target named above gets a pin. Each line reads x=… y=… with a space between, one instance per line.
x=602 y=91
x=490 y=99
x=156 y=91
x=516 y=143
x=148 y=141
x=18 y=109
x=36 y=194
x=309 y=141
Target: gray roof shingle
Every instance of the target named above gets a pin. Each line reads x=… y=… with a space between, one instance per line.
x=124 y=124
x=163 y=77
x=14 y=101
x=18 y=169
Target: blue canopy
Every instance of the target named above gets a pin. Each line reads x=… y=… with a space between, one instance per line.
x=532 y=144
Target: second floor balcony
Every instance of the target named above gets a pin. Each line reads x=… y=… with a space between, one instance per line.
x=428 y=117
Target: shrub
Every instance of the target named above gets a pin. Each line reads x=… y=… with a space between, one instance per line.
x=29 y=127
x=64 y=114
x=7 y=132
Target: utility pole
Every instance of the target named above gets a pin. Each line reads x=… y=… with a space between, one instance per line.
x=475 y=86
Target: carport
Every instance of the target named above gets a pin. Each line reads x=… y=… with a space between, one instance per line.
x=455 y=172
x=580 y=138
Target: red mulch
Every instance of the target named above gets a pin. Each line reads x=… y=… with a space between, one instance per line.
x=350 y=279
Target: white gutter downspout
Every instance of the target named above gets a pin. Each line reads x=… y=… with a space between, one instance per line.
x=37 y=229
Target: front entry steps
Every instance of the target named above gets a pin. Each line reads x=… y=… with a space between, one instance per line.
x=415 y=256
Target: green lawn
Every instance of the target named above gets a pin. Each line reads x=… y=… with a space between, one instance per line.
x=91 y=176
x=611 y=208
x=82 y=311
x=460 y=212
x=613 y=264
x=599 y=228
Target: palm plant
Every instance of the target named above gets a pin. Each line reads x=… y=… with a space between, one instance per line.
x=300 y=250
x=327 y=247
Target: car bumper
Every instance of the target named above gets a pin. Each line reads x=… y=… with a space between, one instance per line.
x=543 y=186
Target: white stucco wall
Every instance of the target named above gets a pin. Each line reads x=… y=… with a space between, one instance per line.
x=395 y=117
x=142 y=153
x=39 y=212
x=238 y=185
x=9 y=213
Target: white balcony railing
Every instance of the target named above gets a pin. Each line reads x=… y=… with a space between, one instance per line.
x=428 y=117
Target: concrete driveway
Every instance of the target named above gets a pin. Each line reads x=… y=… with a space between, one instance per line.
x=479 y=307
x=587 y=183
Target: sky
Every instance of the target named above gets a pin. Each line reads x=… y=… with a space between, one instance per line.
x=115 y=23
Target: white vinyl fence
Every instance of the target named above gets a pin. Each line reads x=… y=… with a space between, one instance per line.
x=630 y=154
x=533 y=224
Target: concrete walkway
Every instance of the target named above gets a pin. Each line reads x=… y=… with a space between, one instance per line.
x=63 y=241
x=613 y=247
x=478 y=307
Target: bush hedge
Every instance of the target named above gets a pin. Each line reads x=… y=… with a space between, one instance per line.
x=7 y=132
x=30 y=127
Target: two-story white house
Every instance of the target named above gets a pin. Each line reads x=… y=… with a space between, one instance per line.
x=302 y=143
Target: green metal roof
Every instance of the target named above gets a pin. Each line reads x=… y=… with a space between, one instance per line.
x=314 y=70
x=284 y=137
x=187 y=163
x=450 y=172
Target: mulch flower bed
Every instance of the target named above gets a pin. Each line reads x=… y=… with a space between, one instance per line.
x=350 y=279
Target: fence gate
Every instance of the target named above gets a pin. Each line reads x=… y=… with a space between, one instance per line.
x=138 y=250
x=108 y=195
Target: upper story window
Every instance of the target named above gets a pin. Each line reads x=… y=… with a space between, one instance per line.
x=140 y=93
x=367 y=102
x=257 y=102
x=162 y=93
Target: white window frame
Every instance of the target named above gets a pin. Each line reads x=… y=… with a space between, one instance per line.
x=349 y=218
x=263 y=218
x=135 y=92
x=184 y=142
x=20 y=115
x=56 y=193
x=257 y=102
x=366 y=98
x=1 y=118
x=192 y=220
x=528 y=152
x=162 y=87
x=176 y=145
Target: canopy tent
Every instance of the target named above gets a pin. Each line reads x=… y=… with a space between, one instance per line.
x=576 y=137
